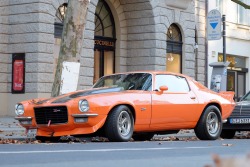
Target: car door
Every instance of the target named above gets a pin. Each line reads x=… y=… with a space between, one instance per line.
x=175 y=106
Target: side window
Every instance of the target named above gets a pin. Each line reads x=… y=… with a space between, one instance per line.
x=173 y=82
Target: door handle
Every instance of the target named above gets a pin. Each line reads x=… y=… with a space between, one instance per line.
x=193 y=98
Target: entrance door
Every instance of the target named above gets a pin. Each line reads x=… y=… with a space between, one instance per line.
x=241 y=80
x=105 y=38
x=103 y=63
x=236 y=82
x=175 y=107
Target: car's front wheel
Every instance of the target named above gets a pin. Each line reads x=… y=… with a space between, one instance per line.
x=210 y=124
x=119 y=126
x=227 y=133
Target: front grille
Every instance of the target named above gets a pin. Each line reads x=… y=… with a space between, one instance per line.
x=54 y=115
x=241 y=111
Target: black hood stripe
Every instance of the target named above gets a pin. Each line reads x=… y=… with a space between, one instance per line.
x=86 y=93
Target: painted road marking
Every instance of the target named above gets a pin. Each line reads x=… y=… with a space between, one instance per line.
x=105 y=150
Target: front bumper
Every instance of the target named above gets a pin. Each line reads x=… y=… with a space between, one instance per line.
x=78 y=124
x=236 y=126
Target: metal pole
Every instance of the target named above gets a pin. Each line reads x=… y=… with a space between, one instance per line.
x=224 y=37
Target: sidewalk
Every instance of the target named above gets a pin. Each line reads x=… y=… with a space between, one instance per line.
x=10 y=129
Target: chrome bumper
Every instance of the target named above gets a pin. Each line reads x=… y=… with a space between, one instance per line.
x=86 y=115
x=23 y=118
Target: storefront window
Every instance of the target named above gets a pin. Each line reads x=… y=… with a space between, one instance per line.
x=236 y=75
x=235 y=61
x=174 y=49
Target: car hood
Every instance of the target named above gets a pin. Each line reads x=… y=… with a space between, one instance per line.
x=243 y=103
x=67 y=97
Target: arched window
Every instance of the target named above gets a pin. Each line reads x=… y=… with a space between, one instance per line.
x=174 y=49
x=105 y=37
x=60 y=14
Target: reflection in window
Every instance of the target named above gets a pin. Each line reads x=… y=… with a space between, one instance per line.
x=173 y=82
x=133 y=81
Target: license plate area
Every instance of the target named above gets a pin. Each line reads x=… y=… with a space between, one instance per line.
x=31 y=133
x=239 y=121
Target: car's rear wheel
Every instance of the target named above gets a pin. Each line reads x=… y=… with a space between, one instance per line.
x=227 y=133
x=210 y=125
x=119 y=126
x=143 y=136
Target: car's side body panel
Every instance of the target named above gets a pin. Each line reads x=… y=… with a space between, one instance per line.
x=174 y=109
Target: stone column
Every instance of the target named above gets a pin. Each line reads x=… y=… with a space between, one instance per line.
x=4 y=56
x=200 y=10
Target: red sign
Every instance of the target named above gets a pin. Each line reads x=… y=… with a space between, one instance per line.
x=18 y=72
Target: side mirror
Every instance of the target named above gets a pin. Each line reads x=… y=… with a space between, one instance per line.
x=163 y=88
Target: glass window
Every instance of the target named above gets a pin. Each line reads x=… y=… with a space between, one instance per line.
x=104 y=60
x=58 y=25
x=234 y=13
x=235 y=61
x=173 y=82
x=174 y=49
x=219 y=5
x=231 y=11
x=104 y=21
x=244 y=14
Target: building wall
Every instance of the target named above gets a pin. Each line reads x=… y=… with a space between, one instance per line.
x=29 y=29
x=237 y=38
x=4 y=57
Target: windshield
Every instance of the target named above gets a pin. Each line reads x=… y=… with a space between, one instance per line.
x=132 y=81
x=246 y=97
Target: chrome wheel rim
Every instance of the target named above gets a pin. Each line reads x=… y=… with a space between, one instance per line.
x=124 y=123
x=212 y=123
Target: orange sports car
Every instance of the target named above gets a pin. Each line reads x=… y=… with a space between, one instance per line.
x=129 y=105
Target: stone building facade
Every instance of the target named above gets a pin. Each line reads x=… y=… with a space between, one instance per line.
x=141 y=41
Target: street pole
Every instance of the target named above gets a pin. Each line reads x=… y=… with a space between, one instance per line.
x=224 y=37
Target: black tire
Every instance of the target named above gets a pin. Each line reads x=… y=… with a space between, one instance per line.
x=47 y=139
x=119 y=126
x=227 y=134
x=143 y=137
x=209 y=126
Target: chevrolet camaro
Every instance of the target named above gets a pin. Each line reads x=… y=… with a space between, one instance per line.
x=129 y=105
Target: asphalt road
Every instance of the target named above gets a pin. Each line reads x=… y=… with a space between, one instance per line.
x=130 y=154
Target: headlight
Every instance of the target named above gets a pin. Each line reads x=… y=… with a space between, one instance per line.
x=83 y=105
x=19 y=109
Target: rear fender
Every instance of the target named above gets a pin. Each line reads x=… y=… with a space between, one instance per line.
x=229 y=95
